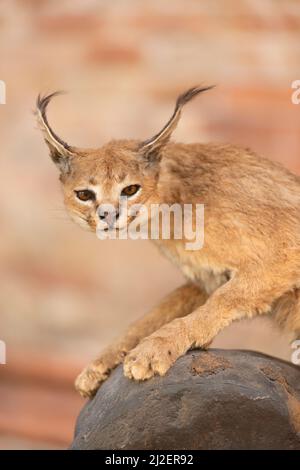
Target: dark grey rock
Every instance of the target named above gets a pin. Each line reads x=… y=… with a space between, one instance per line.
x=219 y=399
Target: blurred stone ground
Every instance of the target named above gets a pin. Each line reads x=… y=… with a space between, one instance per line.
x=63 y=293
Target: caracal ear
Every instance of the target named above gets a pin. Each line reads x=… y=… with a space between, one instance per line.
x=60 y=152
x=150 y=148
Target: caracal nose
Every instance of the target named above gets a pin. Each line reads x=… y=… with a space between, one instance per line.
x=108 y=215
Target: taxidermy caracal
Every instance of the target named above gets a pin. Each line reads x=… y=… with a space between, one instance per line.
x=249 y=263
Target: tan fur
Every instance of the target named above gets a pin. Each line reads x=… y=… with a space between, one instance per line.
x=250 y=261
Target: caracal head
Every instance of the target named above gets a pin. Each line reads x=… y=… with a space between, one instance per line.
x=103 y=188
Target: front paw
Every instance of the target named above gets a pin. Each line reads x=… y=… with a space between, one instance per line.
x=90 y=379
x=153 y=356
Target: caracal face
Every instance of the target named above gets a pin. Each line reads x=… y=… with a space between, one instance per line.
x=104 y=185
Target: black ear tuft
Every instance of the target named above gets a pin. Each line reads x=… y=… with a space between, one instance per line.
x=190 y=94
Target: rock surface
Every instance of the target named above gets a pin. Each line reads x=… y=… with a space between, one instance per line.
x=219 y=399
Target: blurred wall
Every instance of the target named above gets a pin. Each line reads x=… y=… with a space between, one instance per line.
x=63 y=293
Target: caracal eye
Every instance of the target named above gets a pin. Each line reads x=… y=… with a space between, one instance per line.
x=85 y=195
x=130 y=190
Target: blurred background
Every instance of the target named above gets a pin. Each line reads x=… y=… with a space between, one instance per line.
x=64 y=294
